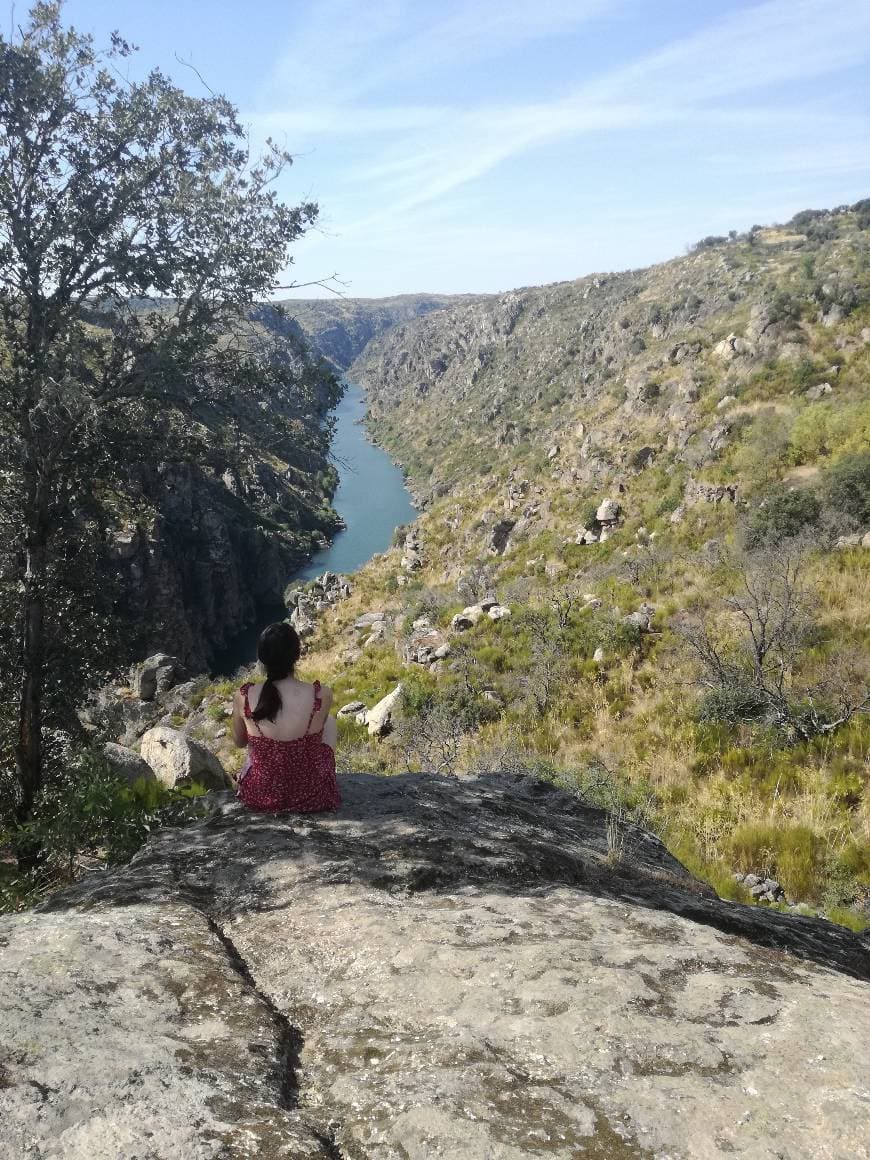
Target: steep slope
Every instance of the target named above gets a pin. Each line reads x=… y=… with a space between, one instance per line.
x=201 y=540
x=340 y=328
x=614 y=460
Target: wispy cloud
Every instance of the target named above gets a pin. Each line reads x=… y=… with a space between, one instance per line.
x=345 y=81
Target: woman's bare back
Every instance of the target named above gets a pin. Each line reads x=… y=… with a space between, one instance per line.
x=292 y=719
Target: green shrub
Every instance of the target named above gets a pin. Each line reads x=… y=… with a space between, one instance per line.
x=784 y=515
x=846 y=487
x=841 y=914
x=92 y=813
x=791 y=854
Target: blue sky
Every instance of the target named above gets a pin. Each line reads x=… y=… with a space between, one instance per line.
x=479 y=145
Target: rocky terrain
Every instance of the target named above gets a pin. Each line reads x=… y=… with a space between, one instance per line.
x=611 y=461
x=455 y=969
x=340 y=328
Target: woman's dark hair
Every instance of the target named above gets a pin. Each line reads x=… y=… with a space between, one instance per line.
x=278 y=651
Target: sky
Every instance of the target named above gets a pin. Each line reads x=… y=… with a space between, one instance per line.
x=481 y=145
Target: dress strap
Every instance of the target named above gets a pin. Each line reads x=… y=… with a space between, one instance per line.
x=248 y=713
x=315 y=709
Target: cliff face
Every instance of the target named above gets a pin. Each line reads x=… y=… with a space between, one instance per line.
x=451 y=968
x=199 y=544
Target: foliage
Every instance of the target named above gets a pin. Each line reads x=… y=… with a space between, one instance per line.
x=846 y=487
x=784 y=515
x=136 y=234
x=750 y=674
x=791 y=854
x=92 y=816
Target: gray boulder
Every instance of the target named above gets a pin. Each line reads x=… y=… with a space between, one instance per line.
x=608 y=511
x=379 y=719
x=351 y=709
x=127 y=763
x=155 y=675
x=178 y=760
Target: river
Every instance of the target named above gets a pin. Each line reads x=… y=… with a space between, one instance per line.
x=372 y=500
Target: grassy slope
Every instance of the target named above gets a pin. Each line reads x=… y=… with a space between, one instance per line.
x=472 y=397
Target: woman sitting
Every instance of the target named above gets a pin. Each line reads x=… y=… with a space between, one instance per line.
x=289 y=734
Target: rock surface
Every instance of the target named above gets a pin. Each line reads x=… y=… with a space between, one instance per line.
x=178 y=760
x=442 y=968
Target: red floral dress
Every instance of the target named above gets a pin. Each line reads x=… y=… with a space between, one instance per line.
x=297 y=775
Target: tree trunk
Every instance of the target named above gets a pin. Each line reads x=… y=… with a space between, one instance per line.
x=28 y=750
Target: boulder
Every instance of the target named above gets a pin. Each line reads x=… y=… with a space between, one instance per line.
x=608 y=511
x=819 y=391
x=127 y=763
x=379 y=719
x=499 y=612
x=155 y=675
x=351 y=709
x=467 y=618
x=178 y=760
x=435 y=970
x=368 y=619
x=500 y=535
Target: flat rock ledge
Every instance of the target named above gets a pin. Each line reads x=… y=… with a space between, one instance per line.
x=442 y=968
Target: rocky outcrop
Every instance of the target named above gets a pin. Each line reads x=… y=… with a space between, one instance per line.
x=179 y=760
x=128 y=763
x=466 y=969
x=200 y=545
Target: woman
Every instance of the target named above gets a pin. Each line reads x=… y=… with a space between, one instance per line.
x=289 y=734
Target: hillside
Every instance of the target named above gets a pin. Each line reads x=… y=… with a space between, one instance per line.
x=339 y=329
x=615 y=459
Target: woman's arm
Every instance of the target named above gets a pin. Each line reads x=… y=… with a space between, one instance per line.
x=240 y=732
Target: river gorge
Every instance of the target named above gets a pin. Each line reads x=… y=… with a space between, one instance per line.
x=371 y=499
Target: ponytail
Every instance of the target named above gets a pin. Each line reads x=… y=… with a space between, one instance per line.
x=278 y=650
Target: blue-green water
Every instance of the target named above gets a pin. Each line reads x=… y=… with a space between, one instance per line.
x=372 y=500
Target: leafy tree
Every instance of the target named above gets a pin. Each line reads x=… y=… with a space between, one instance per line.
x=136 y=234
x=753 y=671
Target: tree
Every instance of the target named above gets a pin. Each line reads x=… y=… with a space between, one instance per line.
x=136 y=234
x=753 y=672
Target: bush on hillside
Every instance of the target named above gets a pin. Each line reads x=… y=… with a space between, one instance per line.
x=846 y=487
x=784 y=515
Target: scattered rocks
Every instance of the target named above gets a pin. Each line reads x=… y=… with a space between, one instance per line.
x=715 y=493
x=177 y=759
x=308 y=602
x=761 y=889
